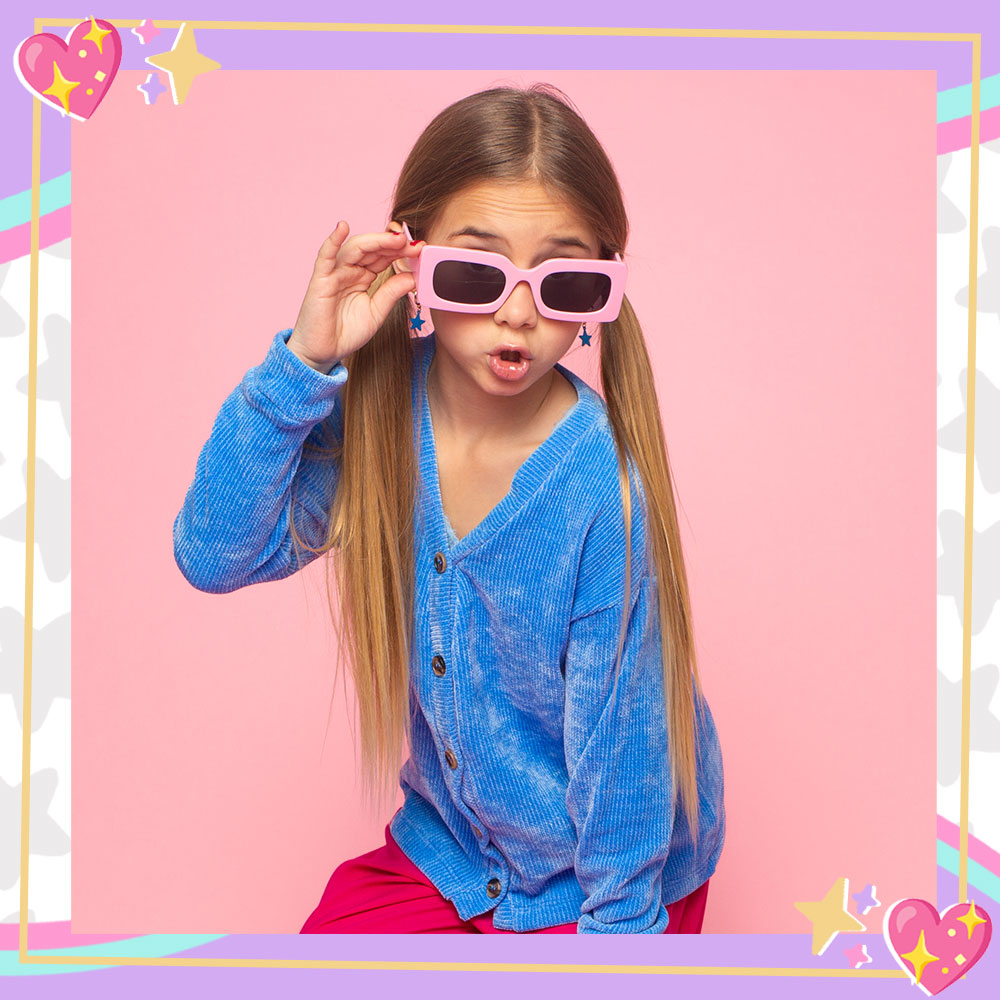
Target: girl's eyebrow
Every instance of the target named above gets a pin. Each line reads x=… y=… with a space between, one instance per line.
x=566 y=241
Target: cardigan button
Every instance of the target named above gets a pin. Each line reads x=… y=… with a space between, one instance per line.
x=438 y=665
x=450 y=757
x=493 y=888
x=477 y=831
x=440 y=563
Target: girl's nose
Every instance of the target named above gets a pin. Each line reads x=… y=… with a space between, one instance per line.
x=519 y=307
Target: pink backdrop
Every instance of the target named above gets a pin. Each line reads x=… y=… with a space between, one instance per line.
x=783 y=266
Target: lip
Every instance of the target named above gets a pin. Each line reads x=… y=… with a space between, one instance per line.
x=513 y=347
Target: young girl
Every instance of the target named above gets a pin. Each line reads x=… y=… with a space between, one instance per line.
x=505 y=542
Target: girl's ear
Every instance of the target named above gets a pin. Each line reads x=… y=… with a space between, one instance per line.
x=400 y=266
x=396 y=227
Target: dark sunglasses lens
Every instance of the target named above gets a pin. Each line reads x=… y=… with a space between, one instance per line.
x=576 y=291
x=467 y=283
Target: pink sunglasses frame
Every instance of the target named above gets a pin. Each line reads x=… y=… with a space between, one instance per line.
x=432 y=254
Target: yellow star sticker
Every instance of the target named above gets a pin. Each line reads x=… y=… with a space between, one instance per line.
x=97 y=35
x=970 y=919
x=919 y=957
x=829 y=916
x=182 y=63
x=60 y=87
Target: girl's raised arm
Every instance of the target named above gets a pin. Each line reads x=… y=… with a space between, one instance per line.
x=234 y=527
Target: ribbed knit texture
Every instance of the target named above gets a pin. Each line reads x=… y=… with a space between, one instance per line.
x=568 y=788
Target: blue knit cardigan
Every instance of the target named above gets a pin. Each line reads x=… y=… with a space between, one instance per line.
x=530 y=790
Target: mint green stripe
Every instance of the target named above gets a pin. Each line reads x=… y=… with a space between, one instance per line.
x=980 y=877
x=16 y=210
x=957 y=102
x=149 y=946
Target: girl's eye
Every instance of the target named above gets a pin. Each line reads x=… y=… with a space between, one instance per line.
x=475 y=269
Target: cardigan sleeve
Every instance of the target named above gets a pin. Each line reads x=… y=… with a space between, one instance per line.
x=233 y=528
x=615 y=740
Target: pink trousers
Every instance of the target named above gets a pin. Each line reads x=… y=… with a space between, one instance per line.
x=383 y=892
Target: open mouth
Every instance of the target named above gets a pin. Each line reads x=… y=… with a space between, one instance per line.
x=509 y=364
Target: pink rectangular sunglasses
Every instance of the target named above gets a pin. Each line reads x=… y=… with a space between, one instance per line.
x=478 y=281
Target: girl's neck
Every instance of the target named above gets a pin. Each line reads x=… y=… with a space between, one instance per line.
x=474 y=419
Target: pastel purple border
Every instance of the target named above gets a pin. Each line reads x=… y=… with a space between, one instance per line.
x=246 y=50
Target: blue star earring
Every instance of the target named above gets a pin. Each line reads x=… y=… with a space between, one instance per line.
x=585 y=337
x=416 y=322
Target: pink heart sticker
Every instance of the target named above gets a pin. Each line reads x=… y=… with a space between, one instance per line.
x=73 y=76
x=935 y=950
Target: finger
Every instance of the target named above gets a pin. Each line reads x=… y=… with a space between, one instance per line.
x=378 y=262
x=414 y=246
x=333 y=242
x=389 y=294
x=370 y=245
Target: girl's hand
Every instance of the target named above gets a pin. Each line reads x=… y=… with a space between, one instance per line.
x=337 y=315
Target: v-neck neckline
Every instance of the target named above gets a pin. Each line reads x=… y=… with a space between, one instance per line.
x=529 y=475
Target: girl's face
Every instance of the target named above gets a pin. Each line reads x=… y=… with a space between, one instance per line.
x=527 y=224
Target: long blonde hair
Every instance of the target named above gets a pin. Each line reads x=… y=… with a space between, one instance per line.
x=501 y=134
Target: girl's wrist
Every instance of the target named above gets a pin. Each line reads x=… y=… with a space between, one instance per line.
x=324 y=368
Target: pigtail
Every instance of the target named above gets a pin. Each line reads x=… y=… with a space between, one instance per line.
x=370 y=547
x=634 y=415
